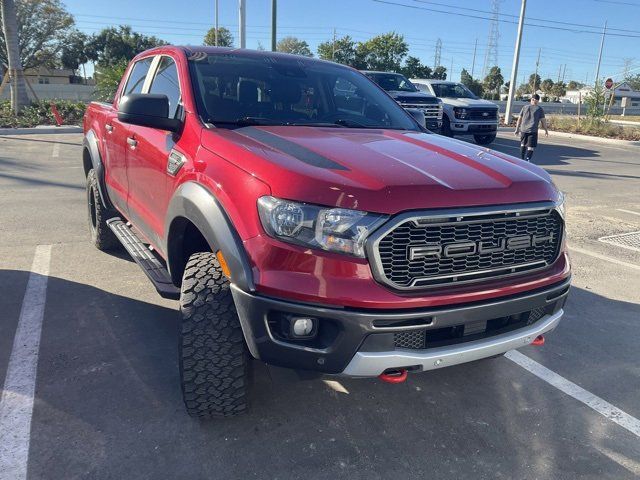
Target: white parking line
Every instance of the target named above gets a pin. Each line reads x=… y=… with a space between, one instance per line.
x=601 y=406
x=16 y=403
x=628 y=211
x=56 y=150
x=605 y=258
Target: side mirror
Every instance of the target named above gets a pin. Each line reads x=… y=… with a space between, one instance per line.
x=147 y=110
x=418 y=115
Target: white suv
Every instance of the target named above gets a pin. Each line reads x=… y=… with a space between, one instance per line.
x=464 y=113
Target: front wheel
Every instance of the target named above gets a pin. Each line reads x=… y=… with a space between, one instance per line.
x=214 y=361
x=446 y=127
x=484 y=139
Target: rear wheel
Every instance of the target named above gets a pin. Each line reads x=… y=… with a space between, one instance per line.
x=101 y=235
x=484 y=139
x=214 y=361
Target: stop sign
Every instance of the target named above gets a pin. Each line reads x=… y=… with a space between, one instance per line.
x=608 y=83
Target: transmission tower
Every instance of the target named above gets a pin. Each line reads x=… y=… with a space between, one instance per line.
x=436 y=58
x=491 y=53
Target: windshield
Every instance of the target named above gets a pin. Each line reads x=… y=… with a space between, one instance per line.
x=452 y=90
x=270 y=90
x=392 y=82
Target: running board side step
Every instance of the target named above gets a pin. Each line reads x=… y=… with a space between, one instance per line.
x=145 y=259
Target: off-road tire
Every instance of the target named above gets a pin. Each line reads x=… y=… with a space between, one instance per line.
x=484 y=139
x=446 y=127
x=214 y=360
x=101 y=235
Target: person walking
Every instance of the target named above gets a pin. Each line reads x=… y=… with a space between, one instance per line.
x=527 y=126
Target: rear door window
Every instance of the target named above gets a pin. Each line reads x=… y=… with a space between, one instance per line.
x=137 y=76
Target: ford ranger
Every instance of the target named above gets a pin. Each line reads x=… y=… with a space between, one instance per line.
x=464 y=113
x=315 y=231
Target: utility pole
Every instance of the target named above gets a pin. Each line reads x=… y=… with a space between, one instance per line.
x=564 y=71
x=604 y=32
x=216 y=32
x=514 y=68
x=437 y=56
x=333 y=46
x=535 y=77
x=242 y=13
x=473 y=65
x=559 y=73
x=274 y=16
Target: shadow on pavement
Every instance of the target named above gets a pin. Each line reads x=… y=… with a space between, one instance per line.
x=546 y=154
x=108 y=405
x=75 y=144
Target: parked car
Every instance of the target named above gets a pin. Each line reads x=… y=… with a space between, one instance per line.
x=313 y=230
x=464 y=112
x=409 y=97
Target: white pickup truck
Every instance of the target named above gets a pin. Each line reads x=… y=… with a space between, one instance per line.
x=463 y=112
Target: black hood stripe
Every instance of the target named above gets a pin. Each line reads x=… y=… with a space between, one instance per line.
x=290 y=148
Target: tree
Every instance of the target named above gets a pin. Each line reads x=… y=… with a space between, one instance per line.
x=559 y=90
x=43 y=27
x=19 y=98
x=414 y=68
x=225 y=37
x=113 y=45
x=295 y=46
x=547 y=86
x=633 y=81
x=383 y=52
x=439 y=73
x=573 y=85
x=108 y=78
x=342 y=50
x=534 y=82
x=494 y=80
x=472 y=84
x=74 y=50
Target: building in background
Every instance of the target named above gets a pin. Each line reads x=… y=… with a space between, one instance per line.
x=621 y=91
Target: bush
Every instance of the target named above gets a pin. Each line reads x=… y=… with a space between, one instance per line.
x=593 y=126
x=39 y=113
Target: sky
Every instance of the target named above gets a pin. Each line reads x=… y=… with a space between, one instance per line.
x=571 y=34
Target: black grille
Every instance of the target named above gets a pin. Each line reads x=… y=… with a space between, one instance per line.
x=479 y=114
x=431 y=338
x=486 y=255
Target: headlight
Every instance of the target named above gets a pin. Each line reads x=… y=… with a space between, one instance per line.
x=560 y=205
x=332 y=229
x=460 y=113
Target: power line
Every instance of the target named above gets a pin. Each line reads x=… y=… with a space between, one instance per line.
x=500 y=20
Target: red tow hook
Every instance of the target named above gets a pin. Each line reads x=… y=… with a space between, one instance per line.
x=395 y=376
x=538 y=341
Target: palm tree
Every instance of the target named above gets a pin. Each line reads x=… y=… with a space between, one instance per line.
x=19 y=96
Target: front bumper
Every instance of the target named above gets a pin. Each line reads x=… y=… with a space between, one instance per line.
x=362 y=342
x=473 y=127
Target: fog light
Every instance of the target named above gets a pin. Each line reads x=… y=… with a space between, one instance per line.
x=303 y=327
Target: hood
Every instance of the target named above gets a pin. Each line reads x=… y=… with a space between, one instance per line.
x=384 y=171
x=469 y=102
x=412 y=97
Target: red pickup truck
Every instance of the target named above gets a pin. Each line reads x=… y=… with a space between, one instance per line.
x=303 y=218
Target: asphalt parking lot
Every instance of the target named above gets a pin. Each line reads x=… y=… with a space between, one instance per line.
x=107 y=400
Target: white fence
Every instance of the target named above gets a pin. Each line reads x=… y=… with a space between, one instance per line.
x=77 y=92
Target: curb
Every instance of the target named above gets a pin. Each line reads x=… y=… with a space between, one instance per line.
x=43 y=129
x=590 y=138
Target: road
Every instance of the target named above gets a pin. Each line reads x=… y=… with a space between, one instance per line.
x=107 y=400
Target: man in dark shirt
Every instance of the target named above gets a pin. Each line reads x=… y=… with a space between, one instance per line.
x=527 y=126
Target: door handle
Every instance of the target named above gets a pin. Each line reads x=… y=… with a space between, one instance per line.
x=108 y=127
x=132 y=142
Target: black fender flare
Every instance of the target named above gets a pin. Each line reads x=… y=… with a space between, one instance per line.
x=90 y=144
x=193 y=202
